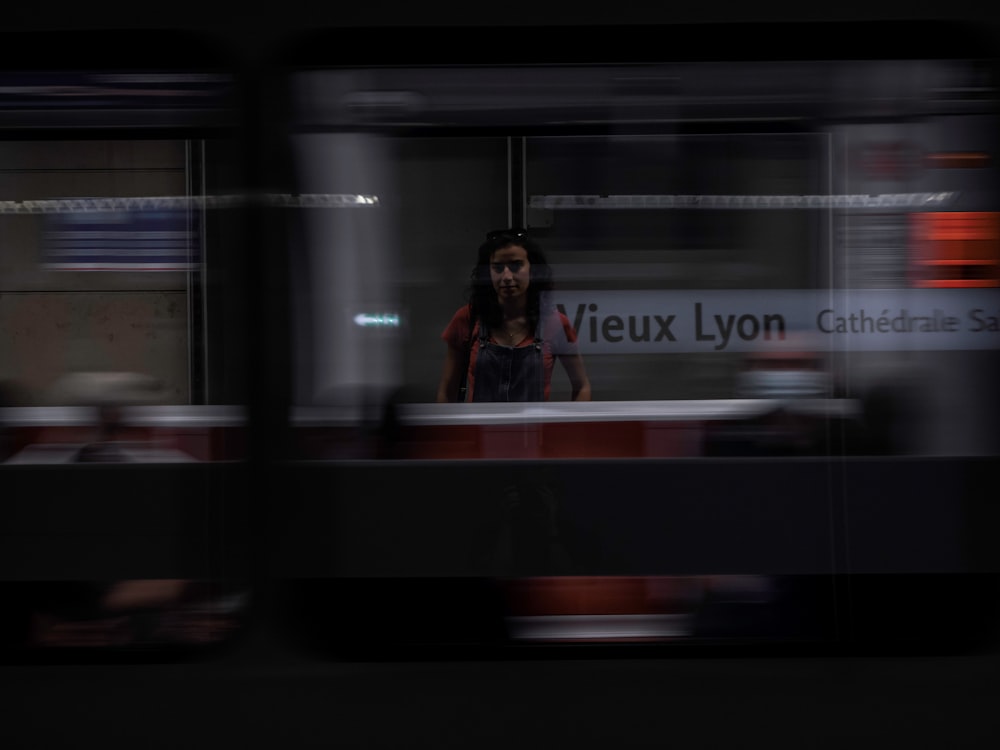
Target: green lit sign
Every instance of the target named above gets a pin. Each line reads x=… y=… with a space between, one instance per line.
x=381 y=320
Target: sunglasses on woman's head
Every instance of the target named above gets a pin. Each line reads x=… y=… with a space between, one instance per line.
x=511 y=233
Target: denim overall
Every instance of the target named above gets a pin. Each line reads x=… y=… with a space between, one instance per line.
x=520 y=536
x=509 y=373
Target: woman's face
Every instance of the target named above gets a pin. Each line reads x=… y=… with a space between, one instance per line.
x=510 y=272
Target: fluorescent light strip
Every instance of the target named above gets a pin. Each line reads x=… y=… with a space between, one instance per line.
x=881 y=201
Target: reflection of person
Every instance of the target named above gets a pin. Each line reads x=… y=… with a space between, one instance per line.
x=509 y=333
x=523 y=532
x=108 y=396
x=132 y=612
x=792 y=383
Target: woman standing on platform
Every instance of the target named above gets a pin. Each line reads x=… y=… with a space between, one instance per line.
x=502 y=345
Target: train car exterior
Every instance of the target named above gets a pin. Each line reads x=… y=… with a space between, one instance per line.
x=781 y=265
x=221 y=320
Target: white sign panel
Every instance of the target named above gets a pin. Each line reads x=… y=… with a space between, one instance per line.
x=669 y=321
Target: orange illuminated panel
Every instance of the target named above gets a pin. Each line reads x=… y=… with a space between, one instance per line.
x=956 y=249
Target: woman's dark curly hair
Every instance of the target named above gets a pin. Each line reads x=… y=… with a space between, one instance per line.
x=483 y=297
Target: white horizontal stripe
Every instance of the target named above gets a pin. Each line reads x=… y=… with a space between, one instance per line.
x=588 y=627
x=151 y=416
x=153 y=203
x=519 y=414
x=757 y=202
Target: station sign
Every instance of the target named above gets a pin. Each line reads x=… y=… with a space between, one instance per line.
x=712 y=321
x=153 y=239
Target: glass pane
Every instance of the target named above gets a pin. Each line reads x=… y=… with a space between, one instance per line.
x=776 y=273
x=124 y=383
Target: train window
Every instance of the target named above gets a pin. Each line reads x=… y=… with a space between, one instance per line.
x=122 y=295
x=779 y=271
x=719 y=238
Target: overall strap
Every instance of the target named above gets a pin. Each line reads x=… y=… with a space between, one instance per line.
x=464 y=384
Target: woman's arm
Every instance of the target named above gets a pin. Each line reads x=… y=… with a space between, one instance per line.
x=451 y=376
x=577 y=376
